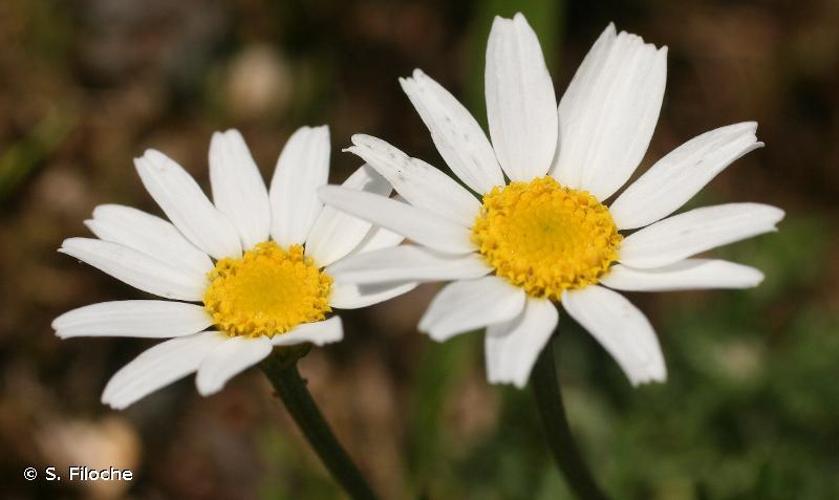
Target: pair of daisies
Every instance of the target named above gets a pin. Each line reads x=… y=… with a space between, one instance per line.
x=527 y=227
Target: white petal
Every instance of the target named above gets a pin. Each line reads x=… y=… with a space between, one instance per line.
x=455 y=132
x=303 y=166
x=608 y=114
x=521 y=104
x=695 y=231
x=674 y=179
x=238 y=189
x=418 y=224
x=137 y=269
x=464 y=306
x=335 y=234
x=159 y=366
x=578 y=106
x=133 y=318
x=349 y=296
x=180 y=197
x=319 y=333
x=511 y=348
x=407 y=263
x=148 y=234
x=621 y=329
x=418 y=182
x=232 y=357
x=377 y=239
x=683 y=275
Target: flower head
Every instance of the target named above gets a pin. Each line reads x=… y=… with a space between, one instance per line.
x=541 y=230
x=544 y=237
x=253 y=258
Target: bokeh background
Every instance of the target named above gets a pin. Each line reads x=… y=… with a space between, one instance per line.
x=751 y=407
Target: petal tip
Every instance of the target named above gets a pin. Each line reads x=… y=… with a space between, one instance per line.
x=322 y=131
x=433 y=333
x=778 y=215
x=519 y=18
x=649 y=378
x=498 y=23
x=757 y=279
x=68 y=244
x=107 y=399
x=207 y=387
x=360 y=139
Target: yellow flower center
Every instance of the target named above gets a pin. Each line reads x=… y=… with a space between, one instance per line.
x=544 y=237
x=268 y=291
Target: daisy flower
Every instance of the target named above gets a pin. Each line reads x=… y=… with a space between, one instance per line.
x=541 y=231
x=249 y=264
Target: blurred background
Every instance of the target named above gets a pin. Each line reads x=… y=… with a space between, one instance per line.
x=751 y=408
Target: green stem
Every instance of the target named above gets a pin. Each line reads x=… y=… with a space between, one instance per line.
x=560 y=440
x=291 y=387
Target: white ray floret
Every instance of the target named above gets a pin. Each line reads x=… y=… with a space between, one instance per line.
x=182 y=200
x=608 y=113
x=674 y=179
x=511 y=348
x=148 y=234
x=238 y=189
x=294 y=205
x=158 y=367
x=424 y=227
x=520 y=100
x=335 y=234
x=621 y=329
x=137 y=269
x=457 y=135
x=683 y=275
x=407 y=263
x=352 y=296
x=695 y=231
x=228 y=359
x=320 y=333
x=417 y=182
x=468 y=305
x=133 y=318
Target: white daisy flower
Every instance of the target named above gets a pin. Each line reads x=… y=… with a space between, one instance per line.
x=253 y=258
x=544 y=234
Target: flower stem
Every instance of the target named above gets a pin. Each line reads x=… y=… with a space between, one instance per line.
x=291 y=387
x=564 y=448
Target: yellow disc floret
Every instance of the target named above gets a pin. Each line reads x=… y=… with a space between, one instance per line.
x=269 y=290
x=544 y=237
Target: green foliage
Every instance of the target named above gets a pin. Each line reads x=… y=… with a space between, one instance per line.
x=21 y=159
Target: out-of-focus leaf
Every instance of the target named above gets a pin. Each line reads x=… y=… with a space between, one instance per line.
x=441 y=366
x=24 y=157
